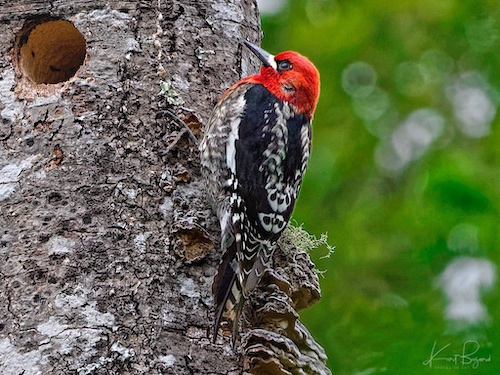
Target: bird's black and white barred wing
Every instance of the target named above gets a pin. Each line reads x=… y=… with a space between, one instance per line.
x=217 y=157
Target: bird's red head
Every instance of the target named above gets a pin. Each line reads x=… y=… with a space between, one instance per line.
x=290 y=76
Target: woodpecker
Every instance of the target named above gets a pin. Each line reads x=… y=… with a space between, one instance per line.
x=254 y=153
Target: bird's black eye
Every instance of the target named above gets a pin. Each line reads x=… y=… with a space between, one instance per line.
x=284 y=65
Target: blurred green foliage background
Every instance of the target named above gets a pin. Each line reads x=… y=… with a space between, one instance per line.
x=404 y=177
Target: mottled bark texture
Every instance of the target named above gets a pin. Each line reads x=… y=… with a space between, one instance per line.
x=107 y=245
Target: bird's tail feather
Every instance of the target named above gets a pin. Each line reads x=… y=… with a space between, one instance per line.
x=227 y=289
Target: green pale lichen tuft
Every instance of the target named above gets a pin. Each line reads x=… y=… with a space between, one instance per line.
x=295 y=236
x=167 y=90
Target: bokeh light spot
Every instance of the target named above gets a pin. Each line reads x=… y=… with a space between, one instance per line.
x=462 y=282
x=321 y=12
x=482 y=34
x=473 y=105
x=409 y=79
x=435 y=66
x=387 y=159
x=411 y=139
x=383 y=125
x=373 y=106
x=359 y=79
x=270 y=7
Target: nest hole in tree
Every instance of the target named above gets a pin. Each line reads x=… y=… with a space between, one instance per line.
x=50 y=50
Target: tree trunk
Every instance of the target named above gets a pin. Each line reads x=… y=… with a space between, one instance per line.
x=106 y=242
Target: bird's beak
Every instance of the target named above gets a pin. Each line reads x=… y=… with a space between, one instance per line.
x=264 y=56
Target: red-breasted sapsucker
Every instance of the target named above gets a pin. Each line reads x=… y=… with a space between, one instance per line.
x=254 y=153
